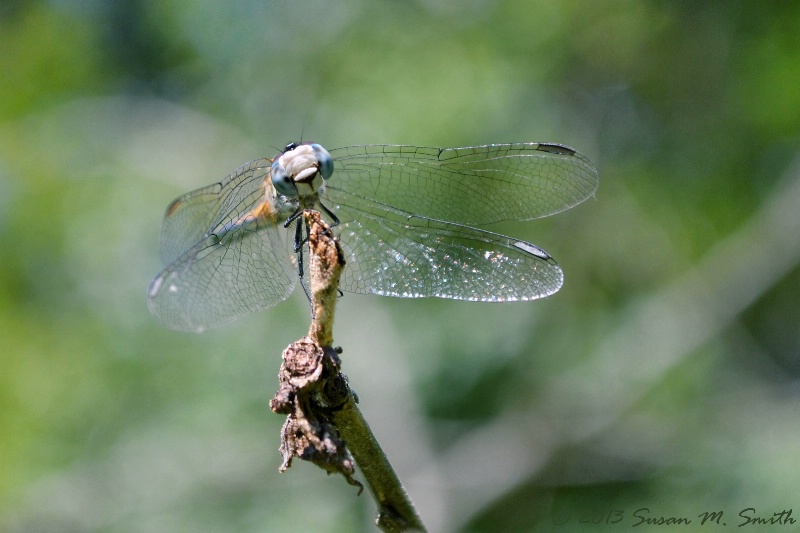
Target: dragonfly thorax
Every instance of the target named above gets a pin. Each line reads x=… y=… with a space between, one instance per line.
x=301 y=170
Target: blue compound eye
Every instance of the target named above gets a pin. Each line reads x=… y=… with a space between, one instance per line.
x=281 y=180
x=324 y=159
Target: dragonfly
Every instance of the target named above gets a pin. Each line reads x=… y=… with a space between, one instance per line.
x=405 y=216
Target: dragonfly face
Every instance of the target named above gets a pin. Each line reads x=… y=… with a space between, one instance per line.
x=406 y=218
x=300 y=170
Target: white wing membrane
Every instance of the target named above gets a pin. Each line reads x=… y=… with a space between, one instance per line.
x=392 y=253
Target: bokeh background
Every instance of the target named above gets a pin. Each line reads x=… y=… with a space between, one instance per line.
x=664 y=375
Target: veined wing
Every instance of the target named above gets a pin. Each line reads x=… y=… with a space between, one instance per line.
x=221 y=279
x=394 y=253
x=471 y=185
x=192 y=216
x=225 y=259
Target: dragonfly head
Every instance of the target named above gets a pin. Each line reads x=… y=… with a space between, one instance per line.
x=301 y=169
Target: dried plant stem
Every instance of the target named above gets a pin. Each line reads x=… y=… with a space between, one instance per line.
x=395 y=510
x=323 y=423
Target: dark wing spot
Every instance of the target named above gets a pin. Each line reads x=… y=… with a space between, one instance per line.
x=559 y=149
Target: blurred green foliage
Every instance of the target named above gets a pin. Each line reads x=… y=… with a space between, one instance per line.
x=663 y=375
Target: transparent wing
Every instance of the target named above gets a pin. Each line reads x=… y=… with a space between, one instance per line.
x=192 y=216
x=220 y=280
x=393 y=253
x=472 y=185
x=221 y=265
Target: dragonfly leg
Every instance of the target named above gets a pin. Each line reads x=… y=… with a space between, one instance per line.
x=334 y=218
x=294 y=216
x=298 y=246
x=299 y=242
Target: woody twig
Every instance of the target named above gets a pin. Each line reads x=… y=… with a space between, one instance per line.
x=323 y=423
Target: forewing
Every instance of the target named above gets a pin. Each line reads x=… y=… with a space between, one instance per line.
x=193 y=216
x=392 y=253
x=471 y=185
